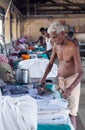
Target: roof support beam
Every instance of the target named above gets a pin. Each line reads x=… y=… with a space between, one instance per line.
x=68 y=1
x=60 y=11
x=60 y=5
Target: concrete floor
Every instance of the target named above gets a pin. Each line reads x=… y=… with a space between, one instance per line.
x=81 y=112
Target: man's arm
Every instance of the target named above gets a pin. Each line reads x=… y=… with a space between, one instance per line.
x=78 y=66
x=49 y=66
x=79 y=70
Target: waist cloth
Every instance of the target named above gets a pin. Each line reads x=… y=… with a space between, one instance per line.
x=73 y=99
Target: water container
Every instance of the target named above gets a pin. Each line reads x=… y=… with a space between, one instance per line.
x=22 y=76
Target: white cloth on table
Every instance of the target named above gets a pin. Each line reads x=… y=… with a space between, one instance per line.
x=37 y=67
x=54 y=111
x=13 y=50
x=21 y=47
x=18 y=113
x=52 y=104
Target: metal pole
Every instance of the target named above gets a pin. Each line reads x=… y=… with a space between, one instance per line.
x=8 y=9
x=35 y=9
x=27 y=7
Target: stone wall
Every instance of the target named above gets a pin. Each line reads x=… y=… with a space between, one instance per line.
x=32 y=25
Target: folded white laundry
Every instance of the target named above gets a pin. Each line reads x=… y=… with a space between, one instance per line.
x=53 y=115
x=18 y=113
x=60 y=120
x=52 y=104
x=53 y=111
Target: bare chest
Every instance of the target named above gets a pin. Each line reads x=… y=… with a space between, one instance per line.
x=64 y=54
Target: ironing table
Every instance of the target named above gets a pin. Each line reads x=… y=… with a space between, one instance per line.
x=49 y=124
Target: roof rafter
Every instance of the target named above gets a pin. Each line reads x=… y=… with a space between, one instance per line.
x=45 y=1
x=68 y=1
x=50 y=6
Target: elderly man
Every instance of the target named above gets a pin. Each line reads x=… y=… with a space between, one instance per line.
x=70 y=70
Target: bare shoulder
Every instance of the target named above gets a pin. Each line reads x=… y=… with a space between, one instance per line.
x=74 y=51
x=73 y=45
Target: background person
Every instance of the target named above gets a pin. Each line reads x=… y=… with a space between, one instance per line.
x=42 y=31
x=48 y=43
x=48 y=40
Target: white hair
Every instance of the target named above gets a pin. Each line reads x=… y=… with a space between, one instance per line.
x=56 y=27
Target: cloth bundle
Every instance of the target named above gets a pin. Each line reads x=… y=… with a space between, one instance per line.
x=42 y=89
x=6 y=73
x=13 y=90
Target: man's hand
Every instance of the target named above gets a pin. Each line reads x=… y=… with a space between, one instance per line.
x=66 y=93
x=42 y=81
